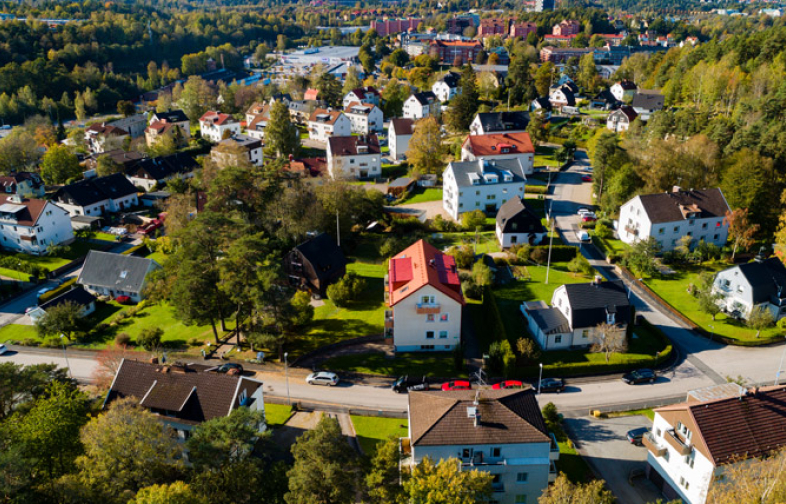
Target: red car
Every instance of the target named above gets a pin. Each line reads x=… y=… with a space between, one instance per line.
x=122 y=299
x=457 y=385
x=586 y=178
x=589 y=218
x=508 y=384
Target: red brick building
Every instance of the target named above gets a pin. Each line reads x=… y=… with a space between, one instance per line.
x=493 y=26
x=387 y=27
x=522 y=30
x=449 y=50
x=566 y=27
x=562 y=54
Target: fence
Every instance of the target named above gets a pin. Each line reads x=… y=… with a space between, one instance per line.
x=337 y=408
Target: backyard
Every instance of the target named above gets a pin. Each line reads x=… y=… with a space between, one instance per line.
x=486 y=241
x=544 y=156
x=371 y=431
x=437 y=364
x=422 y=195
x=79 y=248
x=277 y=414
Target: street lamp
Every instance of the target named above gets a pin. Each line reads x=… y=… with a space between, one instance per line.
x=286 y=373
x=65 y=355
x=778 y=374
x=712 y=330
x=540 y=377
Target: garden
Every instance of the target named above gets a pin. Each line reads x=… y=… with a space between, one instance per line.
x=20 y=266
x=371 y=431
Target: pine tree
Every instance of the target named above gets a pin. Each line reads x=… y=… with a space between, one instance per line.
x=465 y=105
x=281 y=136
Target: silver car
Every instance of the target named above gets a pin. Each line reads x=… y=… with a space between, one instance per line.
x=323 y=378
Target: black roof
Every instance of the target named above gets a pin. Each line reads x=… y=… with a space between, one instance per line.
x=171 y=116
x=515 y=216
x=677 y=205
x=650 y=100
x=163 y=167
x=324 y=255
x=498 y=122
x=77 y=295
x=767 y=279
x=590 y=302
x=88 y=192
x=606 y=97
x=425 y=97
x=451 y=79
x=543 y=102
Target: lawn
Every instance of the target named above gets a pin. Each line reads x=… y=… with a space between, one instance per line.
x=158 y=257
x=643 y=412
x=78 y=248
x=277 y=414
x=544 y=156
x=105 y=237
x=422 y=195
x=609 y=246
x=373 y=430
x=571 y=463
x=437 y=364
x=487 y=241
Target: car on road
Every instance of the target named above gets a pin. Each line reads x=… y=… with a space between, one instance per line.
x=229 y=366
x=457 y=385
x=589 y=217
x=323 y=378
x=30 y=308
x=586 y=178
x=3 y=349
x=639 y=376
x=407 y=384
x=508 y=384
x=588 y=169
x=552 y=385
x=583 y=236
x=583 y=211
x=635 y=436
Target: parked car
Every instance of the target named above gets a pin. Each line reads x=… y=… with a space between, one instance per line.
x=323 y=378
x=508 y=384
x=225 y=368
x=588 y=169
x=552 y=385
x=43 y=291
x=407 y=384
x=123 y=299
x=30 y=308
x=583 y=236
x=457 y=385
x=586 y=178
x=588 y=217
x=583 y=211
x=639 y=376
x=3 y=349
x=635 y=436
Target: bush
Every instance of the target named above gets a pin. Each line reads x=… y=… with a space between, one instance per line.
x=471 y=289
x=464 y=256
x=501 y=358
x=501 y=261
x=539 y=255
x=347 y=289
x=195 y=342
x=123 y=339
x=30 y=342
x=523 y=253
x=51 y=342
x=47 y=296
x=602 y=231
x=118 y=318
x=473 y=220
x=536 y=189
x=553 y=421
x=580 y=264
x=559 y=253
x=150 y=338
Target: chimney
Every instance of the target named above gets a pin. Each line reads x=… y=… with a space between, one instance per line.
x=760 y=257
x=676 y=189
x=598 y=279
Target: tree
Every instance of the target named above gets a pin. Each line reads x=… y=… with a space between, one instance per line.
x=352 y=80
x=79 y=107
x=481 y=274
x=65 y=318
x=474 y=220
x=741 y=231
x=105 y=165
x=399 y=57
x=324 y=467
x=125 y=108
x=173 y=493
x=761 y=480
x=329 y=89
x=393 y=97
x=588 y=73
x=261 y=52
x=107 y=363
x=281 y=136
x=567 y=152
x=383 y=479
x=20 y=386
x=641 y=256
x=59 y=165
x=446 y=483
x=366 y=57
x=225 y=440
x=759 y=318
x=197 y=97
x=580 y=264
x=281 y=43
x=150 y=338
x=425 y=151
x=565 y=492
x=608 y=339
x=538 y=128
x=347 y=289
x=465 y=104
x=707 y=298
x=543 y=78
x=528 y=349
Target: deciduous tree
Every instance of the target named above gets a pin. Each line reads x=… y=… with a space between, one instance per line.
x=426 y=152
x=59 y=165
x=565 y=492
x=741 y=230
x=608 y=339
x=383 y=481
x=446 y=483
x=65 y=318
x=172 y=493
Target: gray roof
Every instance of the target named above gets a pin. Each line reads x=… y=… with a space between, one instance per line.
x=515 y=211
x=675 y=206
x=122 y=272
x=425 y=97
x=649 y=100
x=462 y=170
x=549 y=320
x=590 y=302
x=77 y=295
x=767 y=279
x=500 y=122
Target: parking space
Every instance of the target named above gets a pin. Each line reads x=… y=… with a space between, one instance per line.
x=604 y=445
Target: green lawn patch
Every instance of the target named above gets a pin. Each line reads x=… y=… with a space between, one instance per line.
x=486 y=241
x=393 y=171
x=643 y=412
x=371 y=431
x=571 y=463
x=105 y=237
x=277 y=414
x=17 y=332
x=609 y=246
x=422 y=195
x=438 y=364
x=158 y=257
x=366 y=248
x=79 y=248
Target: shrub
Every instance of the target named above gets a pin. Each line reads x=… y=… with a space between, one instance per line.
x=602 y=231
x=15 y=342
x=57 y=291
x=464 y=256
x=30 y=342
x=473 y=220
x=501 y=357
x=150 y=338
x=501 y=261
x=118 y=318
x=471 y=289
x=580 y=264
x=539 y=255
x=536 y=189
x=123 y=339
x=347 y=289
x=523 y=254
x=51 y=343
x=195 y=342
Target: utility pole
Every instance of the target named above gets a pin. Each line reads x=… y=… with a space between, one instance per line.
x=338 y=230
x=551 y=241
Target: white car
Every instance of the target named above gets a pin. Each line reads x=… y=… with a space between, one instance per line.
x=3 y=349
x=583 y=236
x=323 y=378
x=588 y=169
x=582 y=211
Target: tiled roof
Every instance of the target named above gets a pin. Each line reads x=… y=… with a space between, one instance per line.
x=767 y=279
x=627 y=111
x=465 y=171
x=650 y=100
x=359 y=108
x=351 y=145
x=489 y=145
x=171 y=116
x=311 y=94
x=627 y=85
x=419 y=265
x=325 y=256
x=362 y=92
x=14 y=178
x=325 y=116
x=499 y=122
x=670 y=206
x=403 y=126
x=216 y=118
x=106 y=129
x=163 y=167
x=31 y=211
x=77 y=295
x=424 y=98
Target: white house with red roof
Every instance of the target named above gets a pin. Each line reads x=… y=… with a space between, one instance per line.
x=30 y=225
x=368 y=94
x=425 y=300
x=213 y=126
x=500 y=146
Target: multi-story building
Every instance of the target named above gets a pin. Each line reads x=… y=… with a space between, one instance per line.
x=481 y=185
x=31 y=225
x=493 y=26
x=23 y=184
x=387 y=27
x=623 y=90
x=147 y=173
x=238 y=150
x=646 y=102
x=669 y=216
x=158 y=130
x=757 y=285
x=620 y=120
x=97 y=196
x=364 y=118
x=420 y=105
x=399 y=133
x=447 y=86
x=172 y=117
x=354 y=157
x=455 y=51
x=459 y=23
x=367 y=94
x=500 y=432
x=499 y=146
x=216 y=126
x=566 y=27
x=562 y=54
x=425 y=300
x=326 y=123
x=522 y=29
x=102 y=137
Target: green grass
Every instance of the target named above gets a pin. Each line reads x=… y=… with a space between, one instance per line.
x=393 y=171
x=105 y=237
x=14 y=275
x=17 y=332
x=437 y=364
x=643 y=412
x=609 y=246
x=487 y=241
x=78 y=249
x=277 y=414
x=422 y=195
x=158 y=257
x=373 y=430
x=571 y=463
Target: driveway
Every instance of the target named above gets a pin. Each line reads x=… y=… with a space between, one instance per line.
x=603 y=444
x=432 y=209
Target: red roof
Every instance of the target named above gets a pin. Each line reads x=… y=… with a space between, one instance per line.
x=216 y=118
x=419 y=265
x=490 y=145
x=311 y=94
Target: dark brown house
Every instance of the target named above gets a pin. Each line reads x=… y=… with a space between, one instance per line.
x=315 y=264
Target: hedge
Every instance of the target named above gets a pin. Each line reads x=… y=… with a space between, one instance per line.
x=494 y=318
x=559 y=253
x=536 y=189
x=134 y=249
x=47 y=296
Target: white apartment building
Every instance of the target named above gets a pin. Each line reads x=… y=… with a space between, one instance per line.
x=356 y=157
x=367 y=94
x=500 y=146
x=233 y=151
x=481 y=185
x=364 y=118
x=214 y=126
x=30 y=225
x=399 y=133
x=97 y=196
x=447 y=87
x=326 y=123
x=623 y=90
x=420 y=105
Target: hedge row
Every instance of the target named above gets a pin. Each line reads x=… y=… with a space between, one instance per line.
x=536 y=189
x=494 y=318
x=134 y=249
x=560 y=253
x=66 y=286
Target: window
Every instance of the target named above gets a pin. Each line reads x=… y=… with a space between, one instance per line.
x=690 y=459
x=429 y=334
x=704 y=225
x=430 y=317
x=427 y=347
x=522 y=477
x=691 y=222
x=477 y=203
x=558 y=338
x=443 y=335
x=657 y=432
x=676 y=229
x=466 y=453
x=715 y=237
x=491 y=196
x=521 y=499
x=585 y=334
x=427 y=300
x=666 y=455
x=496 y=451
x=443 y=317
x=477 y=193
x=661 y=230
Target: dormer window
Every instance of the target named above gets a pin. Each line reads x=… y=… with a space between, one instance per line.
x=610 y=318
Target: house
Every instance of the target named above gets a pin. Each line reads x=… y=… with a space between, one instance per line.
x=114 y=275
x=604 y=100
x=354 y=157
x=562 y=96
x=623 y=90
x=135 y=124
x=621 y=119
x=311 y=94
x=97 y=196
x=576 y=310
x=172 y=117
x=486 y=123
x=498 y=146
x=257 y=116
x=157 y=171
x=669 y=216
x=481 y=184
x=646 y=102
x=301 y=110
x=326 y=123
x=216 y=126
x=77 y=296
x=399 y=133
x=102 y=137
x=501 y=432
x=425 y=300
x=307 y=168
x=23 y=184
x=560 y=55
x=163 y=128
x=125 y=159
x=182 y=396
x=692 y=444
x=518 y=224
x=447 y=87
x=542 y=106
x=258 y=108
x=366 y=94
x=420 y=105
x=237 y=150
x=757 y=285
x=31 y=225
x=364 y=118
x=315 y=264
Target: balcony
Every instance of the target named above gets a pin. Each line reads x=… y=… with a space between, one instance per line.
x=632 y=230
x=652 y=445
x=497 y=487
x=388 y=319
x=553 y=448
x=552 y=472
x=426 y=308
x=676 y=443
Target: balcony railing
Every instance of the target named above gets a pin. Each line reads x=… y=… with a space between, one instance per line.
x=632 y=230
x=675 y=442
x=652 y=445
x=427 y=308
x=553 y=448
x=552 y=472
x=388 y=319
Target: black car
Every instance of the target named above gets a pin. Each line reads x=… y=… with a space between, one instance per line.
x=225 y=368
x=635 y=436
x=552 y=385
x=406 y=384
x=639 y=376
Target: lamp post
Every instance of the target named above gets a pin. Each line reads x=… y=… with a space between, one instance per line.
x=712 y=330
x=778 y=374
x=286 y=374
x=65 y=355
x=540 y=377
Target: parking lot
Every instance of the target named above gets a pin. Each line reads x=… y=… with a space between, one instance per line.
x=604 y=445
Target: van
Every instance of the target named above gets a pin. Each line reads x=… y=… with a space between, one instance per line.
x=583 y=236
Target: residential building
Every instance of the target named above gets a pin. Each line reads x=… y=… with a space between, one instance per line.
x=114 y=275
x=164 y=129
x=387 y=27
x=757 y=285
x=364 y=118
x=420 y=105
x=501 y=54
x=646 y=103
x=499 y=146
x=605 y=100
x=102 y=137
x=481 y=184
x=158 y=171
x=31 y=225
x=257 y=116
x=620 y=120
x=326 y=123
x=522 y=29
x=97 y=196
x=563 y=96
x=366 y=94
x=623 y=90
x=216 y=126
x=315 y=264
x=486 y=123
x=301 y=110
x=23 y=184
x=562 y=40
x=542 y=106
x=125 y=159
x=669 y=216
x=172 y=117
x=518 y=224
x=182 y=396
x=311 y=94
x=500 y=432
x=493 y=26
x=558 y=55
x=576 y=311
x=135 y=124
x=447 y=86
x=354 y=157
x=238 y=150
x=566 y=27
x=425 y=300
x=399 y=133
x=450 y=52
x=77 y=295
x=330 y=55
x=693 y=444
x=457 y=24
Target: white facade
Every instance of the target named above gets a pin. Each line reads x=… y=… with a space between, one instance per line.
x=618 y=121
x=527 y=159
x=426 y=320
x=215 y=132
x=488 y=194
x=443 y=91
x=354 y=166
x=507 y=240
x=98 y=208
x=52 y=226
x=413 y=109
x=737 y=294
x=398 y=144
x=364 y=120
x=620 y=93
x=321 y=131
x=352 y=97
